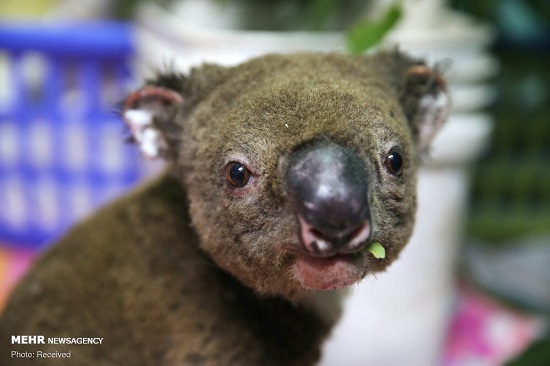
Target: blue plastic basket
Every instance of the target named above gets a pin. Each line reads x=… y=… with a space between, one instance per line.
x=62 y=150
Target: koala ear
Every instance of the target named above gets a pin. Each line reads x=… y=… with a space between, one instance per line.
x=426 y=103
x=149 y=113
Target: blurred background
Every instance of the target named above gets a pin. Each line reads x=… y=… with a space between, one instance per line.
x=472 y=288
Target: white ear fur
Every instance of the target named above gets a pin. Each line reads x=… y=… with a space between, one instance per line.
x=147 y=137
x=139 y=113
x=435 y=109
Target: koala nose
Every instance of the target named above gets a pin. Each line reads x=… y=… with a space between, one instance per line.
x=328 y=185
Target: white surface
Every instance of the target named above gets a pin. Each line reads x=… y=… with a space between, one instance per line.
x=400 y=317
x=180 y=39
x=461 y=140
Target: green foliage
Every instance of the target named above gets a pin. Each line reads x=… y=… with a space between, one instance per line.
x=377 y=250
x=303 y=15
x=318 y=12
x=510 y=195
x=538 y=354
x=367 y=33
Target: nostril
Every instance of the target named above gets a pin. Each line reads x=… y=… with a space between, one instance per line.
x=322 y=242
x=322 y=248
x=314 y=241
x=319 y=234
x=358 y=238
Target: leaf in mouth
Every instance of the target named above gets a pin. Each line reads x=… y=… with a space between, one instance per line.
x=377 y=250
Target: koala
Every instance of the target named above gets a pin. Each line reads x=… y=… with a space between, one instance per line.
x=283 y=173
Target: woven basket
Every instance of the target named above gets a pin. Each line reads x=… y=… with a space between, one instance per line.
x=61 y=141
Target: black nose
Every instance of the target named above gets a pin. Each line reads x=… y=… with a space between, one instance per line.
x=328 y=186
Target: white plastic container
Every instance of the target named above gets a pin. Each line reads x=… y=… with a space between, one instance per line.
x=400 y=317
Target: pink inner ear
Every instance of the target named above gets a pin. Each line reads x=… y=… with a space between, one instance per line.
x=428 y=73
x=152 y=98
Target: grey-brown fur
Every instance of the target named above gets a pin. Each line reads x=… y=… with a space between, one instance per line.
x=189 y=271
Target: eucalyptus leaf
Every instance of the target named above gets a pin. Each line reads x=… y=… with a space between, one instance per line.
x=318 y=12
x=377 y=250
x=367 y=33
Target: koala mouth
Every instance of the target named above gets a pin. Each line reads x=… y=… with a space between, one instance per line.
x=326 y=262
x=328 y=273
x=329 y=262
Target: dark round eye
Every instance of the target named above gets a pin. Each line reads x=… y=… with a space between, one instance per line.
x=394 y=162
x=236 y=175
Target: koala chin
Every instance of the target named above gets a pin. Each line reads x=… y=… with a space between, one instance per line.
x=283 y=173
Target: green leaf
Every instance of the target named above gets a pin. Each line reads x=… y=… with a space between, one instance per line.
x=377 y=250
x=317 y=13
x=537 y=354
x=367 y=33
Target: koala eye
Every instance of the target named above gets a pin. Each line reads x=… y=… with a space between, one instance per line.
x=236 y=175
x=394 y=162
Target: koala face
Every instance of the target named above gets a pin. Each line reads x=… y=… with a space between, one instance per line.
x=294 y=165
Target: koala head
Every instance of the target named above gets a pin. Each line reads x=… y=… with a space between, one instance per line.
x=294 y=165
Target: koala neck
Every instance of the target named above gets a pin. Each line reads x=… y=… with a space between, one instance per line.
x=326 y=304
